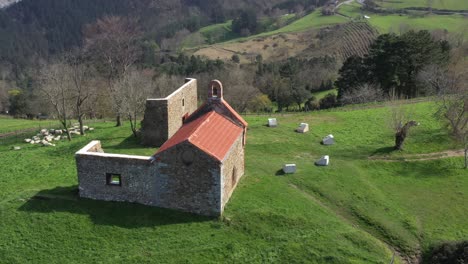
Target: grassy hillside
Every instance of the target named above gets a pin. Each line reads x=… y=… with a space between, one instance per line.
x=356 y=210
x=417 y=21
x=436 y=4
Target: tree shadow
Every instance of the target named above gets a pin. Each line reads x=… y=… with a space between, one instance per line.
x=122 y=214
x=382 y=151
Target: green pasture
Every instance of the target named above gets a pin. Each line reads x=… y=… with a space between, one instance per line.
x=322 y=94
x=397 y=23
x=436 y=4
x=312 y=20
x=8 y=124
x=357 y=210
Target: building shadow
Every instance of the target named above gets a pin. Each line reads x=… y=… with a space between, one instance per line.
x=131 y=142
x=122 y=214
x=280 y=172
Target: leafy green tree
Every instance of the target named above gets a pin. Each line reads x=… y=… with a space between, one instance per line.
x=18 y=102
x=245 y=22
x=393 y=63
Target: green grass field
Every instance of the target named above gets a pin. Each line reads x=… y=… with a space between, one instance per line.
x=396 y=23
x=436 y=4
x=312 y=20
x=8 y=124
x=393 y=23
x=321 y=94
x=354 y=211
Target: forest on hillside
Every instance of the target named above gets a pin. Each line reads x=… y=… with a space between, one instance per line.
x=96 y=54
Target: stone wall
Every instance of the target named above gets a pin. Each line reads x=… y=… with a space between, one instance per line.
x=136 y=174
x=232 y=170
x=189 y=180
x=164 y=116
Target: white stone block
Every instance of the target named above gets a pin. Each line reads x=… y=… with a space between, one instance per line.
x=303 y=128
x=272 y=122
x=328 y=140
x=28 y=140
x=289 y=168
x=324 y=161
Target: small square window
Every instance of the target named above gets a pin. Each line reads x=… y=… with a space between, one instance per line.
x=114 y=179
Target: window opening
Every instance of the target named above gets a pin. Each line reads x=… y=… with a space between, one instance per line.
x=114 y=179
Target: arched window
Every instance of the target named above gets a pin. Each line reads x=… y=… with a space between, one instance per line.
x=215 y=92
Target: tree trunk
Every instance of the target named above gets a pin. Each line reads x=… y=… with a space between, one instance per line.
x=399 y=140
x=119 y=120
x=466 y=158
x=80 y=120
x=64 y=124
x=133 y=126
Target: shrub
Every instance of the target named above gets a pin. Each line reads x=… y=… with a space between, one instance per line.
x=449 y=253
x=235 y=58
x=328 y=101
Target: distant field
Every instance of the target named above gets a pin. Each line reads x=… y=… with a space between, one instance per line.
x=312 y=20
x=321 y=94
x=395 y=23
x=436 y=4
x=357 y=210
x=8 y=124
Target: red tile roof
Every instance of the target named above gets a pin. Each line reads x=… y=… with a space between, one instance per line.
x=212 y=133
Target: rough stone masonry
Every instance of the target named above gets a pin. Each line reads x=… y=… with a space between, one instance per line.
x=195 y=170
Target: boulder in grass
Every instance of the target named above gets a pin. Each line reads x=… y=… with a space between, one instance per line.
x=289 y=168
x=16 y=148
x=91 y=129
x=303 y=128
x=85 y=128
x=43 y=131
x=28 y=140
x=328 y=140
x=58 y=132
x=57 y=138
x=272 y=122
x=52 y=131
x=324 y=161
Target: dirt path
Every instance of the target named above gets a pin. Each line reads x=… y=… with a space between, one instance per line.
x=421 y=157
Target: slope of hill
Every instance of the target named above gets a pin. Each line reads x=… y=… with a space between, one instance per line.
x=356 y=210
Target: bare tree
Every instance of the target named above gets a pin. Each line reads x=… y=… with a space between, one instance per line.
x=239 y=89
x=363 y=94
x=450 y=85
x=400 y=121
x=82 y=86
x=112 y=43
x=134 y=88
x=55 y=80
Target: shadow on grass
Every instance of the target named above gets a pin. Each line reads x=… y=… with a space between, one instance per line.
x=122 y=214
x=384 y=150
x=280 y=173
